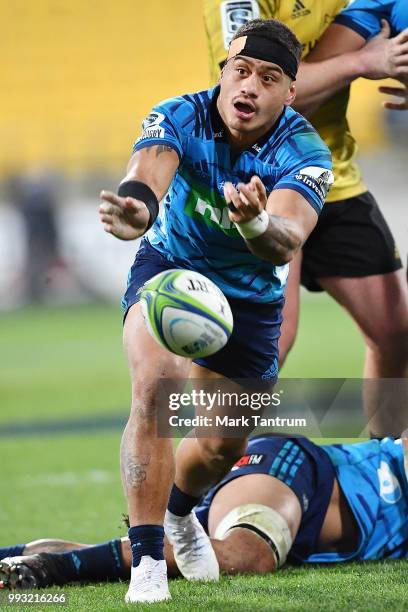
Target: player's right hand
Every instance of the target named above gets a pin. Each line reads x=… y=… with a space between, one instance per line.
x=248 y=201
x=125 y=218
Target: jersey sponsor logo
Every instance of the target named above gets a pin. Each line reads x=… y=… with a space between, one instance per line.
x=299 y=10
x=248 y=460
x=318 y=179
x=151 y=126
x=234 y=13
x=322 y=175
x=153 y=132
x=390 y=489
x=216 y=215
x=153 y=119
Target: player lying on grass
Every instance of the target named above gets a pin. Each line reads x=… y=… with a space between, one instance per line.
x=285 y=499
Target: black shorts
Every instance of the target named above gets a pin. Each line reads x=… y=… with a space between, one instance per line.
x=351 y=239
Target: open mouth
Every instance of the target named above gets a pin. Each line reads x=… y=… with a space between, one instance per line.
x=243 y=110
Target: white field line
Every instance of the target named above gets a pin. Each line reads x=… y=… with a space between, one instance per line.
x=64 y=479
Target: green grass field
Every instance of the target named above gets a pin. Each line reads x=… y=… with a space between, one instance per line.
x=60 y=364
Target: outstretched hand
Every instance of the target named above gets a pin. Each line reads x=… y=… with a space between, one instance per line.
x=383 y=56
x=125 y=218
x=246 y=201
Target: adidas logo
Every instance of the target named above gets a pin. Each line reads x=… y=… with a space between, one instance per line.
x=299 y=10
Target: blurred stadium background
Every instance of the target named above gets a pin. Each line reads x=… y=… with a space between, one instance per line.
x=76 y=79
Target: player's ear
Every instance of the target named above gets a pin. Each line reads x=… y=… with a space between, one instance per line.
x=222 y=68
x=291 y=94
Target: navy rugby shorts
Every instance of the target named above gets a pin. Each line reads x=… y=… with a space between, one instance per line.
x=303 y=466
x=252 y=350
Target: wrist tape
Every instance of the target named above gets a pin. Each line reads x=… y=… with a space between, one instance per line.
x=255 y=227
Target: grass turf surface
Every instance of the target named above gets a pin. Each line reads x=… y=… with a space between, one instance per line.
x=59 y=364
x=322 y=590
x=68 y=487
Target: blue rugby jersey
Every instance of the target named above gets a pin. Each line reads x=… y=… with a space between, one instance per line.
x=193 y=229
x=372 y=478
x=364 y=16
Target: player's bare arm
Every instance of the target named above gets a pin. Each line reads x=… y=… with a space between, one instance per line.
x=283 y=221
x=342 y=56
x=128 y=217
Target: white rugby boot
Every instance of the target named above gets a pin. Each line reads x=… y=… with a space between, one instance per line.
x=193 y=552
x=148 y=582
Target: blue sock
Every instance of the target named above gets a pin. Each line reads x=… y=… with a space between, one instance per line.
x=93 y=564
x=12 y=551
x=181 y=503
x=146 y=540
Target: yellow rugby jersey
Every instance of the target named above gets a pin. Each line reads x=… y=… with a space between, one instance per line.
x=308 y=19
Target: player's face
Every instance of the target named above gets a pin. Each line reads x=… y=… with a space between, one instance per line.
x=253 y=94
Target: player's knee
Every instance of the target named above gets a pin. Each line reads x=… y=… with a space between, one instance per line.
x=244 y=552
x=222 y=450
x=391 y=340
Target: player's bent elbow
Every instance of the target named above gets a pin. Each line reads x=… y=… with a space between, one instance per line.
x=276 y=257
x=284 y=258
x=284 y=253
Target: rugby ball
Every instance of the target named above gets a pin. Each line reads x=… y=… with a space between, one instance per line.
x=186 y=313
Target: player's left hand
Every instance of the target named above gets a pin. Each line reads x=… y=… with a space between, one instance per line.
x=400 y=92
x=384 y=57
x=247 y=201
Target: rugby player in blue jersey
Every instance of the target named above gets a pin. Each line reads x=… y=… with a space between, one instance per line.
x=285 y=499
x=239 y=144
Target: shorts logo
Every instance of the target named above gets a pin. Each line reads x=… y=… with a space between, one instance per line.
x=272 y=371
x=248 y=460
x=234 y=14
x=390 y=490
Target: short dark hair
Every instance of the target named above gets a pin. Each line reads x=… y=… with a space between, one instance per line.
x=273 y=30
